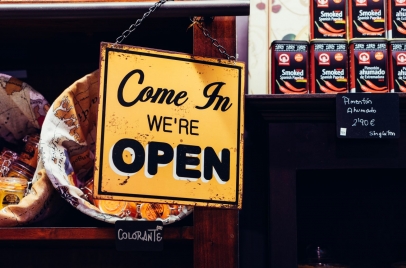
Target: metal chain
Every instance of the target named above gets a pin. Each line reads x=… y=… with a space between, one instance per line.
x=138 y=22
x=206 y=33
x=195 y=21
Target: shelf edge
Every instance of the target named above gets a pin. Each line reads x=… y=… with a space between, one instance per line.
x=82 y=233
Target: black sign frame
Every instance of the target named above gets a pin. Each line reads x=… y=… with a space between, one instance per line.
x=139 y=235
x=367 y=116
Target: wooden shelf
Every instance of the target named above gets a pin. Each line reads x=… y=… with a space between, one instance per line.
x=82 y=233
x=314 y=107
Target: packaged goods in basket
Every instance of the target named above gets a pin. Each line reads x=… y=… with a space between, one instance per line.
x=26 y=194
x=67 y=147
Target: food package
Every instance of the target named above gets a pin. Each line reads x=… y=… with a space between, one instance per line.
x=67 y=148
x=22 y=112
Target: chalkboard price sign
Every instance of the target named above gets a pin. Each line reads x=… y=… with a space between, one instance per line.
x=139 y=235
x=363 y=115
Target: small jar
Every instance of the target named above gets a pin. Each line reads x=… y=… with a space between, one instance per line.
x=29 y=155
x=20 y=169
x=113 y=207
x=117 y=208
x=6 y=158
x=132 y=209
x=12 y=190
x=154 y=211
x=175 y=209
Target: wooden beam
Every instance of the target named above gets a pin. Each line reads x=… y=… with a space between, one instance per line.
x=215 y=230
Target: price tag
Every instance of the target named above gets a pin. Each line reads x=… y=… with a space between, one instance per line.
x=362 y=115
x=139 y=235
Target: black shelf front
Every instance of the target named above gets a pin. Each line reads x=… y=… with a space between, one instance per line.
x=310 y=107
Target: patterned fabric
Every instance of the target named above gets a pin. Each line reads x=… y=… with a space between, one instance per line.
x=19 y=101
x=22 y=112
x=41 y=203
x=68 y=145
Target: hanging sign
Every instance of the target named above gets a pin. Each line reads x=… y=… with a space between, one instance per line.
x=368 y=116
x=170 y=128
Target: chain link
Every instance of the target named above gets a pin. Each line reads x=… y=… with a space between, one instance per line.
x=138 y=22
x=194 y=20
x=206 y=33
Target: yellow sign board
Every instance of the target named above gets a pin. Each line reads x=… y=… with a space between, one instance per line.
x=170 y=128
